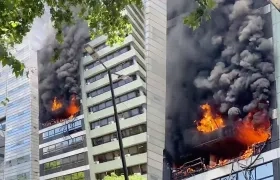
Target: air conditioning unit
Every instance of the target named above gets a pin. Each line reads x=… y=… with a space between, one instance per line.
x=112 y=122
x=114 y=139
x=118 y=157
x=138 y=174
x=96 y=162
x=127 y=155
x=97 y=127
x=121 y=118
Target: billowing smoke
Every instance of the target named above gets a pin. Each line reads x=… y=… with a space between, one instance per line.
x=227 y=62
x=61 y=78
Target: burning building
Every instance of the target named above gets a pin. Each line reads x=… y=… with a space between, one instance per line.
x=59 y=86
x=61 y=136
x=220 y=96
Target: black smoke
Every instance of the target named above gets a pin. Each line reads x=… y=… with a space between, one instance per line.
x=60 y=78
x=227 y=62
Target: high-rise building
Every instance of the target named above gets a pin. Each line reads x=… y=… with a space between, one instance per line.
x=126 y=59
x=21 y=118
x=138 y=73
x=63 y=150
x=265 y=163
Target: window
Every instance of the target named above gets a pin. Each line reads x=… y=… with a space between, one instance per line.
x=109 y=156
x=60 y=130
x=113 y=70
x=72 y=143
x=100 y=46
x=262 y=172
x=74 y=176
x=22 y=176
x=17 y=161
x=126 y=114
x=125 y=133
x=115 y=85
x=108 y=57
x=69 y=162
x=109 y=103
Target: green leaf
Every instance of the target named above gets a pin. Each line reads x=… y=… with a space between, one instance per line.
x=211 y=4
x=104 y=18
x=14 y=24
x=113 y=176
x=195 y=18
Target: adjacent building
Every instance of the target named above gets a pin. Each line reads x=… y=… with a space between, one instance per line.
x=19 y=119
x=126 y=59
x=140 y=97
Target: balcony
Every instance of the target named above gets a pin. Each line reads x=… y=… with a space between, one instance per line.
x=117 y=164
x=135 y=102
x=114 y=145
x=97 y=40
x=107 y=50
x=126 y=123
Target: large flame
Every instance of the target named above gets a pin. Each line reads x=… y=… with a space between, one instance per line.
x=73 y=108
x=210 y=122
x=56 y=104
x=250 y=133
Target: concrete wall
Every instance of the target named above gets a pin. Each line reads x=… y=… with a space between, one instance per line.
x=155 y=44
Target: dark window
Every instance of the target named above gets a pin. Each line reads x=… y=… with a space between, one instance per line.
x=64 y=163
x=125 y=133
x=261 y=172
x=71 y=143
x=60 y=130
x=108 y=57
x=126 y=114
x=74 y=176
x=116 y=84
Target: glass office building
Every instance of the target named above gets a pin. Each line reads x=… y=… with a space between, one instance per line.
x=21 y=118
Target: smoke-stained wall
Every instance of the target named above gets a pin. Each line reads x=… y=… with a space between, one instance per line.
x=227 y=62
x=60 y=78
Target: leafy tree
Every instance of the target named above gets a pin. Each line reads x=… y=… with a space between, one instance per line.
x=104 y=17
x=116 y=177
x=202 y=12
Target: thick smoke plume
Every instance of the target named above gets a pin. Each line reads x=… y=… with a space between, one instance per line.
x=61 y=78
x=227 y=62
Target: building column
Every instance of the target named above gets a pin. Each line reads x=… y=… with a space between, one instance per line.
x=155 y=56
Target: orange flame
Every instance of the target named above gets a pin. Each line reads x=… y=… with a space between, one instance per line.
x=190 y=170
x=250 y=134
x=73 y=108
x=210 y=122
x=221 y=162
x=248 y=153
x=56 y=104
